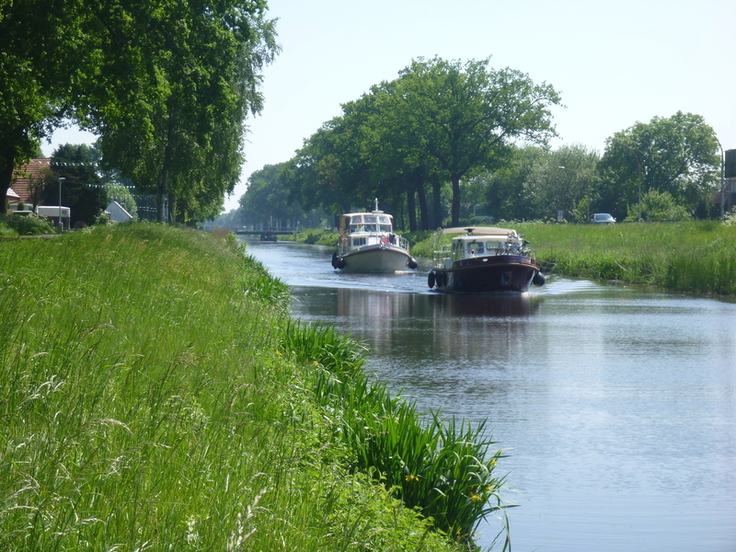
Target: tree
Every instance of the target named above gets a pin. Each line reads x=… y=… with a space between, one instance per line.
x=167 y=84
x=506 y=193
x=677 y=155
x=81 y=189
x=37 y=64
x=658 y=207
x=172 y=116
x=267 y=198
x=563 y=180
x=467 y=116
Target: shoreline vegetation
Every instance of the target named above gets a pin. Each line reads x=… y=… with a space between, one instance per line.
x=696 y=257
x=156 y=395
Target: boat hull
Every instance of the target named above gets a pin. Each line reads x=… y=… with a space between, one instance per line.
x=375 y=258
x=499 y=273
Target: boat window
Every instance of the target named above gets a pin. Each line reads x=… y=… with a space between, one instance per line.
x=357 y=219
x=383 y=219
x=357 y=242
x=385 y=227
x=369 y=218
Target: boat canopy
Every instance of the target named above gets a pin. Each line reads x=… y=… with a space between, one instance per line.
x=366 y=222
x=480 y=231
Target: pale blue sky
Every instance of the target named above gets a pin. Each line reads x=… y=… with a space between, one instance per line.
x=614 y=63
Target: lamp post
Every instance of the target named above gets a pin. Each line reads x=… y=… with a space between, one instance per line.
x=61 y=226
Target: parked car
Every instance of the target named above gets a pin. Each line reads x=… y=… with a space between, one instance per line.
x=602 y=218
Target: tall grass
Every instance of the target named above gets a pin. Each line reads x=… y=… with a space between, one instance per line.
x=147 y=403
x=697 y=256
x=444 y=470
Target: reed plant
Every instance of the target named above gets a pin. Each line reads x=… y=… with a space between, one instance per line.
x=443 y=469
x=147 y=403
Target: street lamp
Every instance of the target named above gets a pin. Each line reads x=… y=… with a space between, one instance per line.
x=61 y=226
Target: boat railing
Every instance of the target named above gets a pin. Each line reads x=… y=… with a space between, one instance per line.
x=371 y=238
x=445 y=253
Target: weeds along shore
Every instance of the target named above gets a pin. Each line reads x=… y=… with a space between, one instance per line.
x=155 y=395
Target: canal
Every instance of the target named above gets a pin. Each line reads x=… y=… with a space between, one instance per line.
x=616 y=404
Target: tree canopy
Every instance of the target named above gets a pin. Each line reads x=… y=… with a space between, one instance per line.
x=677 y=155
x=166 y=84
x=437 y=122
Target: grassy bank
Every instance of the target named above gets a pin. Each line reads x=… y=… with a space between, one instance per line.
x=694 y=257
x=156 y=396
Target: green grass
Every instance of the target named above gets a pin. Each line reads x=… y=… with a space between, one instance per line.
x=155 y=396
x=446 y=471
x=697 y=257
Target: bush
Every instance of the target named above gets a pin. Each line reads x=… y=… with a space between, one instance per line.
x=27 y=224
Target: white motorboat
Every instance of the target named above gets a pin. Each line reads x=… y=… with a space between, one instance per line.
x=367 y=243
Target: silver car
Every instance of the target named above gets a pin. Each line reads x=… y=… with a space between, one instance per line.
x=602 y=218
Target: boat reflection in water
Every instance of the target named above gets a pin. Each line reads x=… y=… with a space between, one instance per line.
x=387 y=306
x=410 y=330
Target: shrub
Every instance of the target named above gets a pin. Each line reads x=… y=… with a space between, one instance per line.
x=27 y=225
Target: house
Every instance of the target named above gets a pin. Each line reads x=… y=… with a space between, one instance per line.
x=26 y=178
x=117 y=212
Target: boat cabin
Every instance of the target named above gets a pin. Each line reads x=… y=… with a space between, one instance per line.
x=363 y=222
x=478 y=246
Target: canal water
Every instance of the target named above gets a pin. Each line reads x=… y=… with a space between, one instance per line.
x=616 y=404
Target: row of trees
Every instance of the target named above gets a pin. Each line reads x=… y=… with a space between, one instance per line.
x=446 y=136
x=666 y=169
x=438 y=122
x=165 y=84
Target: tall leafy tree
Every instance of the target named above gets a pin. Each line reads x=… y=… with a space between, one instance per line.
x=467 y=116
x=329 y=170
x=167 y=84
x=81 y=189
x=507 y=195
x=677 y=155
x=172 y=116
x=267 y=198
x=39 y=59
x=563 y=180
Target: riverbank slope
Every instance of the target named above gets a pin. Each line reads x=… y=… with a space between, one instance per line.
x=155 y=395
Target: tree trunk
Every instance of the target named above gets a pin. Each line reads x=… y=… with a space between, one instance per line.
x=423 y=208
x=436 y=221
x=411 y=207
x=6 y=176
x=455 y=200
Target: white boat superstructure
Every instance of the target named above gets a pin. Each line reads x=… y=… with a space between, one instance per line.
x=367 y=243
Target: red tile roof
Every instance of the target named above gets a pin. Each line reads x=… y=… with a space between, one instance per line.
x=32 y=172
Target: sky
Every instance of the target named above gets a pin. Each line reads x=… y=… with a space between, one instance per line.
x=614 y=63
